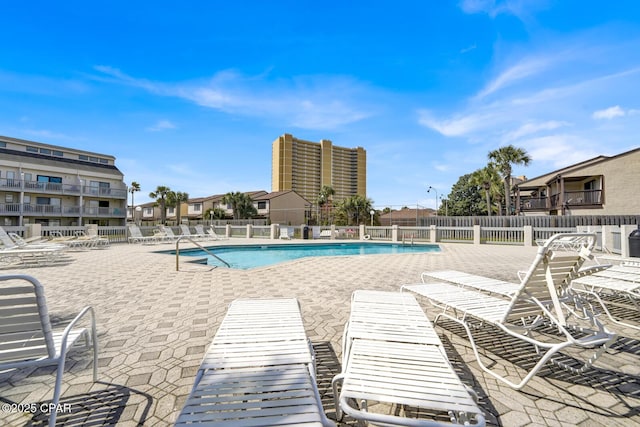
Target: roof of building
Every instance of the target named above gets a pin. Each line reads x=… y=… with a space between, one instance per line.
x=45 y=160
x=276 y=194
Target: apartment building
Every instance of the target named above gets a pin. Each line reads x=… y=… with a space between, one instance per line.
x=58 y=186
x=305 y=167
x=603 y=185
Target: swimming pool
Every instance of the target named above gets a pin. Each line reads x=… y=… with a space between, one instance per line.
x=245 y=257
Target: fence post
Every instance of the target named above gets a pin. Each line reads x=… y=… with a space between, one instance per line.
x=528 y=235
x=433 y=234
x=333 y=232
x=33 y=230
x=394 y=233
x=607 y=238
x=249 y=231
x=227 y=232
x=362 y=232
x=476 y=234
x=274 y=231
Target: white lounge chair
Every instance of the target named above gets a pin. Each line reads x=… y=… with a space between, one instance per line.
x=135 y=236
x=27 y=337
x=568 y=241
x=93 y=241
x=187 y=232
x=70 y=242
x=258 y=371
x=543 y=297
x=392 y=354
x=165 y=234
x=212 y=233
x=15 y=241
x=286 y=233
x=616 y=291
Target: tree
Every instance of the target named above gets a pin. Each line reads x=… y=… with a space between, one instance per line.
x=175 y=199
x=489 y=180
x=161 y=199
x=324 y=197
x=465 y=198
x=241 y=204
x=132 y=189
x=504 y=158
x=351 y=210
x=217 y=213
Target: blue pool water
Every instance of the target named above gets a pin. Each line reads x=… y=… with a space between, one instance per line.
x=251 y=256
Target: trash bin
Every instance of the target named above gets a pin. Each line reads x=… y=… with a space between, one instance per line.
x=305 y=232
x=634 y=243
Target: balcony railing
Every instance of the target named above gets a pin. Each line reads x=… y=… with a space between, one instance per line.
x=533 y=203
x=59 y=188
x=13 y=209
x=577 y=198
x=569 y=198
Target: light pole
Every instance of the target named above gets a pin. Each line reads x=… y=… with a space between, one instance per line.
x=436 y=191
x=372 y=212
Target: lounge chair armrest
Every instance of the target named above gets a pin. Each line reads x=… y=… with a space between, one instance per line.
x=588 y=271
x=70 y=326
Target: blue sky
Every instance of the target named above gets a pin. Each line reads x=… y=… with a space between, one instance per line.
x=191 y=94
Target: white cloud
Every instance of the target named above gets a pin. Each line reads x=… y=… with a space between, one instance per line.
x=310 y=102
x=608 y=113
x=531 y=128
x=460 y=125
x=520 y=71
x=519 y=8
x=161 y=125
x=560 y=150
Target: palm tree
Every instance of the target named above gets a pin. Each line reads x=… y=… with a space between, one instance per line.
x=503 y=159
x=350 y=210
x=132 y=189
x=489 y=180
x=324 y=197
x=175 y=199
x=161 y=198
x=241 y=204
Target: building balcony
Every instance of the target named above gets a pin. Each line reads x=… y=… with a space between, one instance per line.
x=17 y=185
x=571 y=199
x=577 y=198
x=13 y=209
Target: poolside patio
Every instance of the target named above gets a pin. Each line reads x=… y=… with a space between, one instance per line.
x=155 y=323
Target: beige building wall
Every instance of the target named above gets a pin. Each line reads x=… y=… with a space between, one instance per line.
x=617 y=176
x=305 y=167
x=620 y=182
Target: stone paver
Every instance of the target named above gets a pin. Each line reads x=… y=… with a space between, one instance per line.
x=154 y=325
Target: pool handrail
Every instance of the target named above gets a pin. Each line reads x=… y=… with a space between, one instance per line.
x=198 y=245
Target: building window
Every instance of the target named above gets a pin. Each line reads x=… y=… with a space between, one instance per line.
x=57 y=153
x=104 y=161
x=8 y=198
x=262 y=205
x=45 y=151
x=148 y=211
x=83 y=157
x=3 y=144
x=32 y=149
x=45 y=178
x=197 y=207
x=171 y=211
